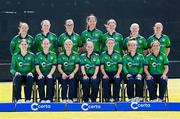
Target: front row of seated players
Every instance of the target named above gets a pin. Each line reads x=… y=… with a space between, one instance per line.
x=110 y=62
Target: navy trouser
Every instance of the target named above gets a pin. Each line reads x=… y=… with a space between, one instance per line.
x=138 y=83
x=28 y=81
x=152 y=87
x=107 y=86
x=49 y=89
x=86 y=85
x=64 y=84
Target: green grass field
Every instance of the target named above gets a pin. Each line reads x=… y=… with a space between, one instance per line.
x=174 y=95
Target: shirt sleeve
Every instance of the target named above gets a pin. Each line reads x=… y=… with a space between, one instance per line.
x=102 y=61
x=97 y=63
x=37 y=62
x=79 y=41
x=12 y=46
x=168 y=43
x=33 y=63
x=77 y=60
x=59 y=61
x=54 y=60
x=82 y=63
x=13 y=65
x=166 y=62
x=124 y=66
x=141 y=65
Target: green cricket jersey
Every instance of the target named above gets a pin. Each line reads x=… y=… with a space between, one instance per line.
x=52 y=38
x=68 y=62
x=22 y=64
x=156 y=64
x=164 y=42
x=95 y=36
x=89 y=63
x=141 y=42
x=118 y=41
x=111 y=62
x=46 y=61
x=14 y=45
x=74 y=37
x=133 y=64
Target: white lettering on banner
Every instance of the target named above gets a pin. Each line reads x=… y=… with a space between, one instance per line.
x=135 y=105
x=35 y=106
x=86 y=106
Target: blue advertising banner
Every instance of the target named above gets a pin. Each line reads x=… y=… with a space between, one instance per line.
x=173 y=106
x=40 y=107
x=140 y=106
x=91 y=107
x=7 y=107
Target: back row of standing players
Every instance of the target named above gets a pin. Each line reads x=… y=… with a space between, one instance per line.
x=99 y=41
x=91 y=33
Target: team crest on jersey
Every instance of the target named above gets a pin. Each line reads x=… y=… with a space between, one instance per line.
x=20 y=64
x=43 y=64
x=130 y=64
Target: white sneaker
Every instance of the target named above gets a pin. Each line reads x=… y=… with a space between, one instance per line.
x=48 y=101
x=111 y=100
x=70 y=101
x=43 y=101
x=138 y=99
x=132 y=100
x=19 y=101
x=155 y=100
x=159 y=100
x=64 y=101
x=75 y=99
x=28 y=101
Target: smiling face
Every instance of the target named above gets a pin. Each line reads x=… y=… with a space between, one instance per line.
x=69 y=25
x=158 y=28
x=111 y=26
x=23 y=28
x=68 y=44
x=132 y=46
x=45 y=24
x=155 y=46
x=134 y=28
x=23 y=45
x=110 y=44
x=46 y=44
x=90 y=47
x=91 y=22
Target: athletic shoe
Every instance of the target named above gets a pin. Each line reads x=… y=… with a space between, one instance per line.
x=19 y=101
x=43 y=101
x=70 y=101
x=64 y=101
x=28 y=101
x=48 y=101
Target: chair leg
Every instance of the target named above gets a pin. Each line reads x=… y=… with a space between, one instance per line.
x=56 y=91
x=122 y=92
x=13 y=92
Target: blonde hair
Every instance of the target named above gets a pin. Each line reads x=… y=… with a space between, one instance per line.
x=22 y=24
x=68 y=40
x=69 y=20
x=110 y=21
x=131 y=42
x=43 y=21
